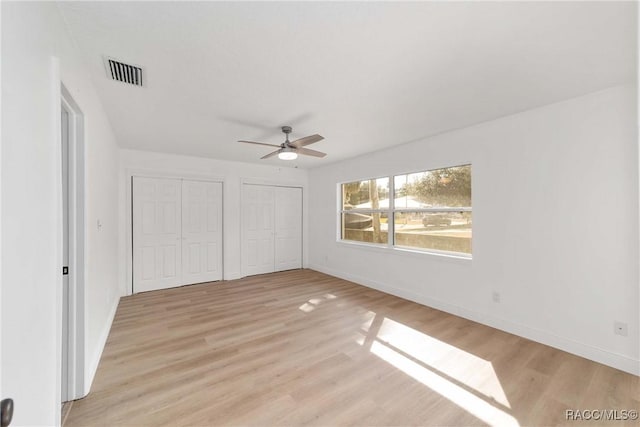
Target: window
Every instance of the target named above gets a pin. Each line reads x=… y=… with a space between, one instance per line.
x=428 y=210
x=365 y=209
x=433 y=210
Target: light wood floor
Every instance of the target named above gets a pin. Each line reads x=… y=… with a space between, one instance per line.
x=304 y=348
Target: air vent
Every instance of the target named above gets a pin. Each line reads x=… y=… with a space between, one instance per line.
x=125 y=73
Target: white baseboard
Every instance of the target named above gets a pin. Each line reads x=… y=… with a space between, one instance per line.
x=618 y=361
x=90 y=372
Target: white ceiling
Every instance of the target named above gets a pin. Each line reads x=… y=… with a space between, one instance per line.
x=364 y=75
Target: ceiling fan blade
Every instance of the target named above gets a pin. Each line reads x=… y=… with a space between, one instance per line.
x=309 y=152
x=270 y=155
x=306 y=140
x=259 y=143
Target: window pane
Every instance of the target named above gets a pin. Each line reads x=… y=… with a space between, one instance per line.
x=368 y=227
x=448 y=187
x=443 y=231
x=367 y=194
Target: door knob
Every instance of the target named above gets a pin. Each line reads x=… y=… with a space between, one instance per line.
x=6 y=412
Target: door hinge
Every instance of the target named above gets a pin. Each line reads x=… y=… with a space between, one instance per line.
x=65 y=270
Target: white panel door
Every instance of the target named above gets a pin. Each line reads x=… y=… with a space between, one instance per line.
x=201 y=231
x=258 y=229
x=156 y=233
x=288 y=228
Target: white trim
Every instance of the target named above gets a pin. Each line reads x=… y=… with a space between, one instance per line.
x=77 y=244
x=600 y=355
x=159 y=173
x=92 y=368
x=1 y=395
x=303 y=225
x=637 y=145
x=57 y=214
x=270 y=183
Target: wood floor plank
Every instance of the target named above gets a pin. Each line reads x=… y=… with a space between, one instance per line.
x=304 y=348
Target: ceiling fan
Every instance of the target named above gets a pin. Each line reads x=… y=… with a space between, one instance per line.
x=289 y=150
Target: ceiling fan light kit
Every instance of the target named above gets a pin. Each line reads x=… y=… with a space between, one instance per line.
x=289 y=150
x=287 y=153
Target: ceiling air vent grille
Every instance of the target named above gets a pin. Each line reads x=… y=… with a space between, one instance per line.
x=125 y=73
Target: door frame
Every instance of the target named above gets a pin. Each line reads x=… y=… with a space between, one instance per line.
x=76 y=381
x=128 y=207
x=267 y=183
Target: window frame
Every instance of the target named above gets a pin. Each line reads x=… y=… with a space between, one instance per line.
x=392 y=210
x=342 y=211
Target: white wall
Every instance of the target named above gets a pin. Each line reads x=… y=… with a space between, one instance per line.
x=555 y=226
x=37 y=55
x=231 y=173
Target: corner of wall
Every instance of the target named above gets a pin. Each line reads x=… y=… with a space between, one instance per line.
x=92 y=364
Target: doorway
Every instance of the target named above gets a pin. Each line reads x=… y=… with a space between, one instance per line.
x=72 y=384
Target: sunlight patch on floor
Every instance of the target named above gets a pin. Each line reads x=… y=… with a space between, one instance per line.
x=464 y=378
x=313 y=303
x=307 y=307
x=458 y=364
x=447 y=389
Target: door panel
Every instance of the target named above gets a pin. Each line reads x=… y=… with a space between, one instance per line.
x=202 y=231
x=157 y=262
x=148 y=267
x=272 y=229
x=288 y=228
x=213 y=256
x=258 y=237
x=169 y=257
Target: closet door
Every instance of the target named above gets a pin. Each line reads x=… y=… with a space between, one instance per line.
x=201 y=231
x=271 y=229
x=156 y=233
x=288 y=228
x=258 y=229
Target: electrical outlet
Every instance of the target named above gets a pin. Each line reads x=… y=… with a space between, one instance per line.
x=495 y=296
x=620 y=328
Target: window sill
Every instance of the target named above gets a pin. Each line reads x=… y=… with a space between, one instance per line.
x=402 y=251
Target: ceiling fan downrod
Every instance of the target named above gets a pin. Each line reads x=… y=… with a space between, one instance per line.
x=287 y=130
